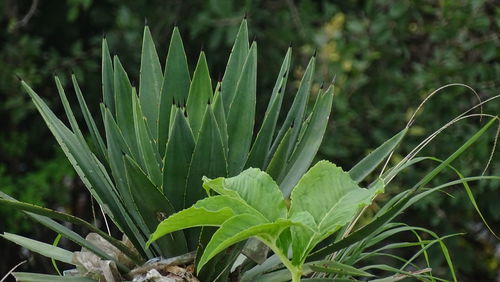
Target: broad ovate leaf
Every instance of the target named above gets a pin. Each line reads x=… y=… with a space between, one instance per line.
x=212 y=211
x=331 y=197
x=256 y=188
x=239 y=228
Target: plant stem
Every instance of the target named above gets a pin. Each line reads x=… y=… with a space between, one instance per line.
x=296 y=271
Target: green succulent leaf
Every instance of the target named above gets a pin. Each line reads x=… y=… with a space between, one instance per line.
x=308 y=145
x=241 y=116
x=370 y=162
x=234 y=66
x=38 y=277
x=262 y=144
x=151 y=77
x=150 y=160
x=107 y=78
x=200 y=92
x=42 y=248
x=153 y=207
x=208 y=159
x=123 y=107
x=177 y=160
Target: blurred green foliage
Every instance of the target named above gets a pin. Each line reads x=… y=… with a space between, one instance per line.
x=387 y=56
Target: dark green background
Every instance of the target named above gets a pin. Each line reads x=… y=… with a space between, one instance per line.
x=387 y=56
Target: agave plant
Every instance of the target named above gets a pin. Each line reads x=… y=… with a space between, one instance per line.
x=162 y=138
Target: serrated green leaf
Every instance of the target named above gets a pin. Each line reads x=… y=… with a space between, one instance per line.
x=370 y=162
x=308 y=146
x=44 y=249
x=262 y=144
x=107 y=78
x=151 y=77
x=241 y=117
x=234 y=66
x=258 y=190
x=177 y=159
x=200 y=91
x=153 y=207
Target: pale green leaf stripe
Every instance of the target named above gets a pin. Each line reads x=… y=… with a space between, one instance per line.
x=89 y=120
x=150 y=82
x=262 y=143
x=200 y=92
x=241 y=117
x=107 y=78
x=38 y=277
x=177 y=159
x=309 y=144
x=370 y=162
x=44 y=249
x=123 y=107
x=234 y=66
